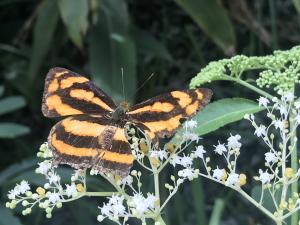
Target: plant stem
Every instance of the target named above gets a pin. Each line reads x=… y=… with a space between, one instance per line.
x=294 y=161
x=251 y=87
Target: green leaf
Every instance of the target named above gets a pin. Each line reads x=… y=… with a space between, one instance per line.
x=47 y=18
x=222 y=112
x=7 y=217
x=213 y=19
x=16 y=168
x=217 y=212
x=111 y=48
x=1 y=90
x=199 y=200
x=297 y=5
x=147 y=44
x=75 y=17
x=12 y=130
x=10 y=104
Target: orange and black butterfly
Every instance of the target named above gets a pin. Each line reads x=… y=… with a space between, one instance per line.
x=93 y=134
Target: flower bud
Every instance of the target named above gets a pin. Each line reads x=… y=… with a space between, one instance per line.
x=289 y=172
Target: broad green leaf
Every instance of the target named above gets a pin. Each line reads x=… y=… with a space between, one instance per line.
x=147 y=44
x=213 y=19
x=1 y=90
x=17 y=168
x=10 y=104
x=44 y=28
x=217 y=212
x=12 y=130
x=7 y=217
x=297 y=5
x=111 y=48
x=222 y=112
x=75 y=16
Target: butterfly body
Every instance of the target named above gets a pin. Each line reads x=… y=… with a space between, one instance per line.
x=93 y=133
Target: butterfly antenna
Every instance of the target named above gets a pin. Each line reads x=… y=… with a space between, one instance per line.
x=143 y=84
x=123 y=85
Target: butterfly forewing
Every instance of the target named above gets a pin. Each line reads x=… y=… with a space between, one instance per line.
x=68 y=93
x=162 y=115
x=91 y=142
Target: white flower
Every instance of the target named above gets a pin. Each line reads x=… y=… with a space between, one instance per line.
x=289 y=96
x=191 y=136
x=186 y=161
x=233 y=142
x=297 y=105
x=53 y=197
x=218 y=173
x=150 y=201
x=233 y=178
x=13 y=193
x=264 y=177
x=199 y=152
x=71 y=190
x=191 y=124
x=188 y=173
x=279 y=124
x=23 y=187
x=262 y=101
x=270 y=157
x=127 y=180
x=260 y=131
x=105 y=209
x=116 y=203
x=43 y=167
x=175 y=159
x=139 y=203
x=54 y=178
x=298 y=119
x=161 y=154
x=220 y=148
x=283 y=110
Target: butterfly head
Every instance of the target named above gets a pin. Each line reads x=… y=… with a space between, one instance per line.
x=120 y=111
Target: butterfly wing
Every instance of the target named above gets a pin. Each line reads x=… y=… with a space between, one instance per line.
x=84 y=141
x=162 y=115
x=68 y=93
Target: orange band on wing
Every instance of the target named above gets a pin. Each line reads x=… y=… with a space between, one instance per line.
x=183 y=98
x=53 y=86
x=120 y=135
x=68 y=82
x=170 y=124
x=82 y=128
x=64 y=148
x=156 y=107
x=116 y=157
x=89 y=97
x=54 y=103
x=191 y=109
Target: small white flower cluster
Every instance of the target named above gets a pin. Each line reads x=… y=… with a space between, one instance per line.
x=137 y=206
x=278 y=111
x=52 y=194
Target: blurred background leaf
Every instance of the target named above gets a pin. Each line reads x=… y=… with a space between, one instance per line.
x=172 y=40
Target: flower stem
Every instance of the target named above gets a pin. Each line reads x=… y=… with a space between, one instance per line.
x=294 y=161
x=251 y=87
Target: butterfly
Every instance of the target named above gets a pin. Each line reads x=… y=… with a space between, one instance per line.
x=92 y=134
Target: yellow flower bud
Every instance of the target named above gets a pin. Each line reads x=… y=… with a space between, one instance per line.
x=143 y=147
x=80 y=188
x=224 y=177
x=289 y=172
x=242 y=179
x=170 y=147
x=155 y=161
x=41 y=191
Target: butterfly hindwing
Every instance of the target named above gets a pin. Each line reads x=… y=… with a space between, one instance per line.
x=91 y=142
x=162 y=115
x=68 y=93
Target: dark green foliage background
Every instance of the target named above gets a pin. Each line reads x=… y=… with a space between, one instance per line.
x=173 y=39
